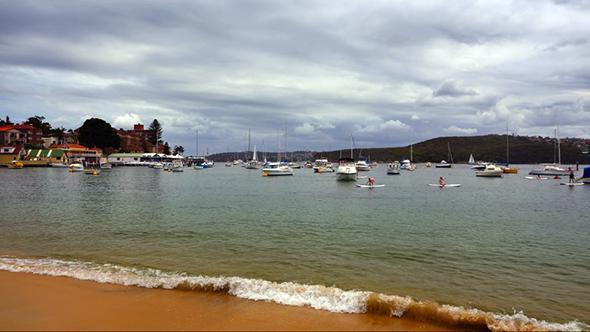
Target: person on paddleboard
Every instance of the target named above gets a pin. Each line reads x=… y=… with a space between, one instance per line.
x=572 y=176
x=371 y=181
x=441 y=182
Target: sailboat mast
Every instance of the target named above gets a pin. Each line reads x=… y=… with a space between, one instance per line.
x=196 y=142
x=351 y=143
x=558 y=146
x=507 y=146
x=411 y=154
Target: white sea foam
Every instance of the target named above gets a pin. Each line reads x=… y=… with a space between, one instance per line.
x=315 y=296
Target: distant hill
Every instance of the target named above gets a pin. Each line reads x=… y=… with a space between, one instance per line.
x=523 y=150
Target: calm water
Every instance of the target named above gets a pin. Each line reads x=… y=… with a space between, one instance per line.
x=499 y=245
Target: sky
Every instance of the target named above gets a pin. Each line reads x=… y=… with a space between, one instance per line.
x=301 y=74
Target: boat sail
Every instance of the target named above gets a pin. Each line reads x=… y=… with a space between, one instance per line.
x=253 y=163
x=471 y=159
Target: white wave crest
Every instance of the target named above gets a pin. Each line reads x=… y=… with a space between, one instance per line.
x=315 y=296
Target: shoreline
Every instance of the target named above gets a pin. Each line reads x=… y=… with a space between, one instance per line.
x=38 y=302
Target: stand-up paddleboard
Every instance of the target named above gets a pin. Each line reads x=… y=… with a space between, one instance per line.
x=370 y=186
x=535 y=178
x=446 y=185
x=572 y=184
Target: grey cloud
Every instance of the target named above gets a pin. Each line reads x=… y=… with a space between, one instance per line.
x=453 y=89
x=226 y=66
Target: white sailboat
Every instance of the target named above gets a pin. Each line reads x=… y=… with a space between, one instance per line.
x=444 y=163
x=253 y=163
x=277 y=168
x=408 y=164
x=471 y=160
x=555 y=169
x=346 y=168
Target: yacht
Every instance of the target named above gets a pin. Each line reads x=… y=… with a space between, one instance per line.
x=551 y=170
x=586 y=176
x=277 y=169
x=407 y=165
x=322 y=166
x=393 y=168
x=253 y=163
x=347 y=170
x=480 y=166
x=443 y=164
x=362 y=166
x=158 y=166
x=491 y=171
x=76 y=167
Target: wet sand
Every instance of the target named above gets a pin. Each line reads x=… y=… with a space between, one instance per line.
x=33 y=302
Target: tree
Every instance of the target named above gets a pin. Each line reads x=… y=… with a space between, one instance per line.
x=38 y=121
x=156 y=129
x=98 y=133
x=166 y=148
x=7 y=122
x=178 y=149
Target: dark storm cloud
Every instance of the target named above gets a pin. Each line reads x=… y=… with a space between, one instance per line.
x=389 y=72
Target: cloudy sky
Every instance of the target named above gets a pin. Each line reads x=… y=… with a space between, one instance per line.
x=389 y=72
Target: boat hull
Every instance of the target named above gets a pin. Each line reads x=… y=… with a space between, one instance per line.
x=274 y=172
x=484 y=174
x=346 y=176
x=443 y=166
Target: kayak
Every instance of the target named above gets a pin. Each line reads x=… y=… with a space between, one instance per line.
x=369 y=186
x=446 y=185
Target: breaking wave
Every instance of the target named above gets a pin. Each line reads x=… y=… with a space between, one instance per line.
x=315 y=296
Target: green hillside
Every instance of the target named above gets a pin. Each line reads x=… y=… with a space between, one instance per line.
x=523 y=150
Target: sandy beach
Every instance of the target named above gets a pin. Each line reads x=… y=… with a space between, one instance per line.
x=33 y=302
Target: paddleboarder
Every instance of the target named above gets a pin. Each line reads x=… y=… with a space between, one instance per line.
x=572 y=176
x=441 y=182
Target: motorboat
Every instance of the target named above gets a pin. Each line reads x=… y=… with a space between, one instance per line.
x=550 y=170
x=491 y=171
x=509 y=170
x=347 y=170
x=106 y=166
x=443 y=164
x=407 y=165
x=92 y=171
x=76 y=167
x=362 y=166
x=322 y=166
x=479 y=166
x=277 y=169
x=228 y=164
x=429 y=164
x=59 y=165
x=294 y=165
x=177 y=168
x=158 y=166
x=393 y=168
x=16 y=165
